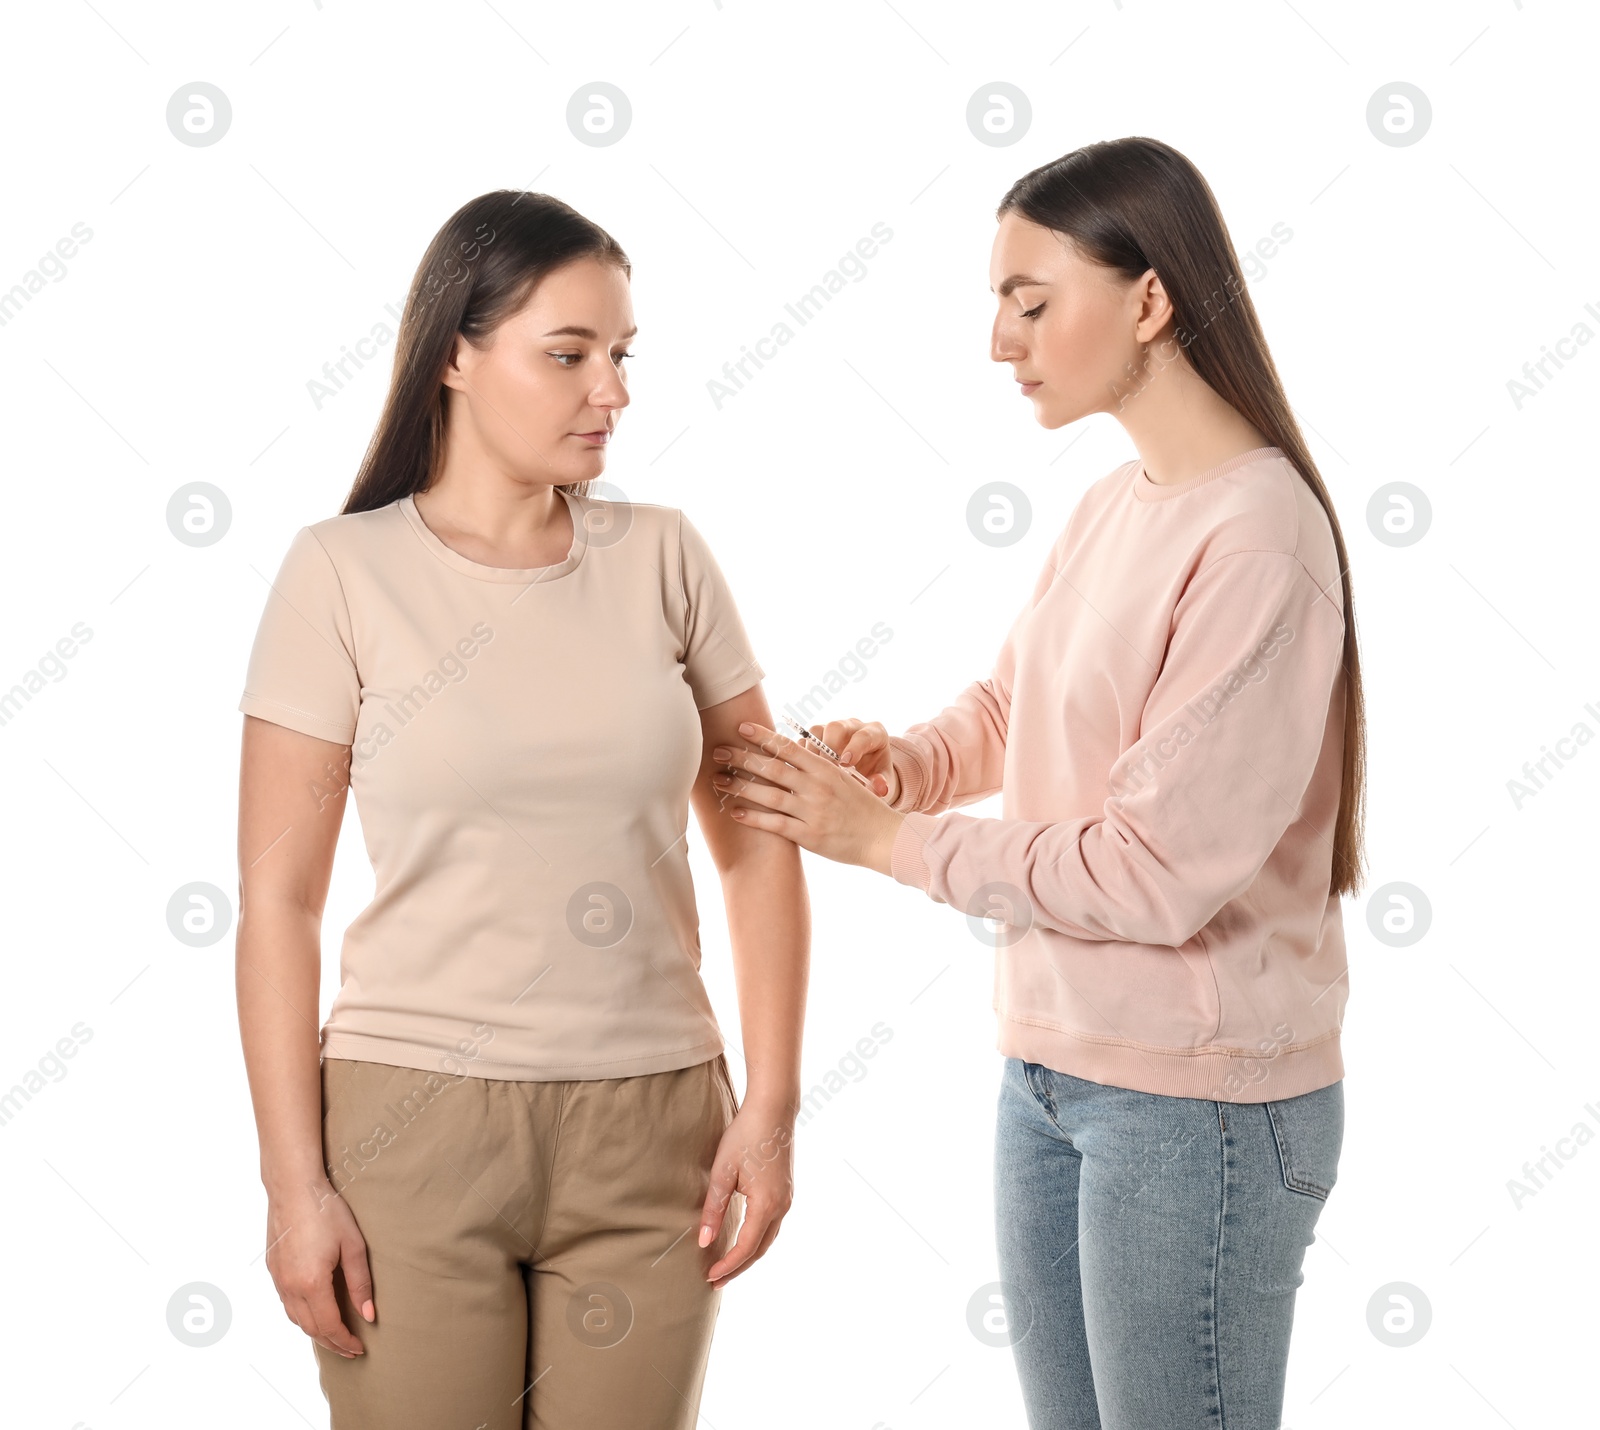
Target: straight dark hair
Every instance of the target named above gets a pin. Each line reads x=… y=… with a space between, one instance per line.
x=1136 y=204
x=480 y=268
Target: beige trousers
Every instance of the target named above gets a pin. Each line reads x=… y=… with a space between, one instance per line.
x=533 y=1247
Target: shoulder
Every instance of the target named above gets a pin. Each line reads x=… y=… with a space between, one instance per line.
x=1096 y=499
x=1109 y=487
x=648 y=516
x=1267 y=506
x=655 y=541
x=644 y=531
x=358 y=535
x=669 y=519
x=673 y=528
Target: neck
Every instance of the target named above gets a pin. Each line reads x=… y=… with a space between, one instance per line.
x=1177 y=422
x=498 y=520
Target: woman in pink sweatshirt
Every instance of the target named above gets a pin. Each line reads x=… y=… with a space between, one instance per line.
x=1175 y=724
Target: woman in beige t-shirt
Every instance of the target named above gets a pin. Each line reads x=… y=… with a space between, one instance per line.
x=502 y=1171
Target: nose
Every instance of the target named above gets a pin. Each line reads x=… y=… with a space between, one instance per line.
x=610 y=392
x=1003 y=343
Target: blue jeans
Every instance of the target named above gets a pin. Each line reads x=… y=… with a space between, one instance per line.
x=1150 y=1248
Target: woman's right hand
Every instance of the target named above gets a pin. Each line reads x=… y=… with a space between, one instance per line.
x=861 y=744
x=310 y=1231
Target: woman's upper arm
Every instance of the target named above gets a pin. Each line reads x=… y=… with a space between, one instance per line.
x=725 y=836
x=301 y=701
x=292 y=790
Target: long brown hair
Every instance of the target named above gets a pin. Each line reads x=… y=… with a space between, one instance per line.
x=480 y=268
x=1135 y=204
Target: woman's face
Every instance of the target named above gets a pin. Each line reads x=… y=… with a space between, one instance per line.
x=546 y=393
x=1069 y=328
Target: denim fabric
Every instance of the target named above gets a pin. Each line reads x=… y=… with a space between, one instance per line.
x=1150 y=1248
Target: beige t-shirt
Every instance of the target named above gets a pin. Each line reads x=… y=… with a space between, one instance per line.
x=523 y=747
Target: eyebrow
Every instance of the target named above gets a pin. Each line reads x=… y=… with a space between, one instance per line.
x=1019 y=280
x=576 y=332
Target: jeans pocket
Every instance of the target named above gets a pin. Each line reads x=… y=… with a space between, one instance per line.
x=1309 y=1131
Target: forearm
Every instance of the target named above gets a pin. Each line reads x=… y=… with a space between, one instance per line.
x=955 y=758
x=769 y=925
x=1079 y=877
x=277 y=976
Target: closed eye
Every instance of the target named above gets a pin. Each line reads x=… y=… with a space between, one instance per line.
x=1034 y=312
x=568 y=359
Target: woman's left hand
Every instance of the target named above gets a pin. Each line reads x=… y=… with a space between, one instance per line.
x=808 y=799
x=756 y=1158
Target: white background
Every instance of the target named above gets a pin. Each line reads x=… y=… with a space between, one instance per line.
x=178 y=345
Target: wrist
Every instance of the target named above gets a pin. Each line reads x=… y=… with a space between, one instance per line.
x=880 y=850
x=289 y=1180
x=779 y=1103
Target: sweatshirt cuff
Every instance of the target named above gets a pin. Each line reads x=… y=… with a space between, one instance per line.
x=906 y=862
x=908 y=771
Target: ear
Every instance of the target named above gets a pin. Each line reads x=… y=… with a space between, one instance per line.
x=452 y=375
x=1155 y=307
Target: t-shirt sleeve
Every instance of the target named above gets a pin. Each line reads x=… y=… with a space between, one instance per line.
x=717 y=660
x=302 y=670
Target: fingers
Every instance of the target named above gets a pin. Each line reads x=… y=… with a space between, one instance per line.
x=865 y=740
x=759 y=1229
x=772 y=772
x=780 y=763
x=322 y=1312
x=787 y=751
x=760 y=792
x=854 y=741
x=358 y=1276
x=724 y=1182
x=298 y=1309
x=743 y=1251
x=836 y=733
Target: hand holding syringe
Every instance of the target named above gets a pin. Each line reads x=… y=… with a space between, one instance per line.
x=876 y=757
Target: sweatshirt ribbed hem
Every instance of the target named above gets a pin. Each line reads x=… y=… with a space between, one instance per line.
x=1216 y=1074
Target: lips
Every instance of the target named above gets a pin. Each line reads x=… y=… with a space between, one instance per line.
x=1029 y=387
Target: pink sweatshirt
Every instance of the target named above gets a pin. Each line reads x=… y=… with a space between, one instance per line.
x=1165 y=722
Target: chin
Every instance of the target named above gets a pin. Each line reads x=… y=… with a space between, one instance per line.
x=1057 y=415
